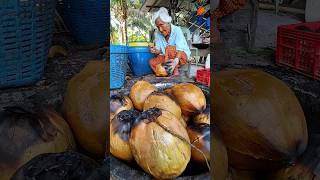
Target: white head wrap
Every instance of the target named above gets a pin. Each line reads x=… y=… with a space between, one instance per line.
x=163 y=14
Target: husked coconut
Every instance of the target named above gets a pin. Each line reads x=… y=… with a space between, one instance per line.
x=261 y=119
x=156 y=145
x=139 y=93
x=85 y=107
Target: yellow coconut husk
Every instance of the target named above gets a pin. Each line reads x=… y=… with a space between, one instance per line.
x=139 y=93
x=185 y=118
x=306 y=167
x=261 y=120
x=119 y=103
x=159 y=152
x=164 y=102
x=26 y=133
x=204 y=117
x=183 y=122
x=161 y=71
x=85 y=105
x=119 y=134
x=190 y=98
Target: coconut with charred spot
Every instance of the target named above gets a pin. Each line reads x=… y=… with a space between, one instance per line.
x=164 y=102
x=26 y=133
x=120 y=128
x=200 y=137
x=119 y=103
x=204 y=117
x=160 y=152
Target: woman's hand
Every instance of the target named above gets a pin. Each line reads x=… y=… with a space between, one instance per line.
x=154 y=50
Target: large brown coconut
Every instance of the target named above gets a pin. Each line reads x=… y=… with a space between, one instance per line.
x=260 y=118
x=164 y=102
x=139 y=93
x=85 y=107
x=235 y=174
x=191 y=99
x=159 y=152
x=28 y=133
x=119 y=103
x=199 y=135
x=120 y=128
x=307 y=167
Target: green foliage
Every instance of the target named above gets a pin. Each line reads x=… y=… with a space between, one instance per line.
x=138 y=26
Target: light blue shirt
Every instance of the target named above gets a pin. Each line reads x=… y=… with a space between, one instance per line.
x=176 y=39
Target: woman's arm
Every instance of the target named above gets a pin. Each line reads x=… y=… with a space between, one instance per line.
x=182 y=47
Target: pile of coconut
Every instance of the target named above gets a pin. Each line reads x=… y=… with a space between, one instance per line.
x=162 y=130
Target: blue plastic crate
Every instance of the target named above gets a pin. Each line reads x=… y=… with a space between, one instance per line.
x=118 y=65
x=26 y=29
x=88 y=20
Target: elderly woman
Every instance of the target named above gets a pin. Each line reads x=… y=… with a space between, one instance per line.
x=171 y=48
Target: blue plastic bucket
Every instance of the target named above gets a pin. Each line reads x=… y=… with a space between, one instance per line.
x=118 y=65
x=87 y=20
x=208 y=23
x=139 y=58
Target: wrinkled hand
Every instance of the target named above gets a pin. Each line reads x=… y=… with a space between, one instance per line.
x=171 y=65
x=154 y=50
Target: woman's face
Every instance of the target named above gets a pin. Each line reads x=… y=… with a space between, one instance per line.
x=163 y=27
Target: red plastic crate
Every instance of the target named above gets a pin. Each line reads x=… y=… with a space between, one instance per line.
x=203 y=76
x=299 y=49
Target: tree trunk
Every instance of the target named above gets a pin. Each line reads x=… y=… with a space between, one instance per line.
x=122 y=17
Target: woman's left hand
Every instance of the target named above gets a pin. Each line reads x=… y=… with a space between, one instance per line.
x=171 y=65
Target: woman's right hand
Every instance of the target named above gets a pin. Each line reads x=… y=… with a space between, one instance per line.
x=154 y=50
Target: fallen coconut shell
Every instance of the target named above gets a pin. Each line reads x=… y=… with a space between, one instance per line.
x=120 y=128
x=261 y=120
x=159 y=152
x=139 y=93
